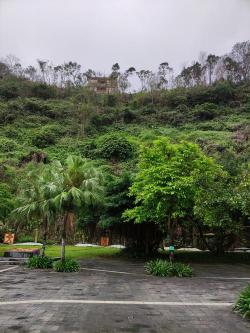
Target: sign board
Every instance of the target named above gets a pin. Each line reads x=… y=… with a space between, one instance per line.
x=104 y=241
x=8 y=238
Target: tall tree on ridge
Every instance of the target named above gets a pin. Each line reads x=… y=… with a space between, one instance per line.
x=211 y=62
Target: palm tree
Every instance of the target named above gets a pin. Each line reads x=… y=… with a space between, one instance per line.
x=79 y=184
x=36 y=190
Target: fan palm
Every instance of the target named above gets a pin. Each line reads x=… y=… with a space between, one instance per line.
x=36 y=190
x=78 y=184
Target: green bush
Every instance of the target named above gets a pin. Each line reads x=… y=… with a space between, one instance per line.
x=129 y=116
x=205 y=111
x=223 y=92
x=44 y=139
x=165 y=268
x=25 y=238
x=175 y=97
x=42 y=90
x=68 y=265
x=101 y=120
x=40 y=262
x=7 y=145
x=34 y=106
x=242 y=305
x=114 y=147
x=110 y=100
x=9 y=89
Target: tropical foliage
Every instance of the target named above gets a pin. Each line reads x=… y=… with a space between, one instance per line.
x=67 y=266
x=165 y=268
x=142 y=167
x=242 y=305
x=41 y=262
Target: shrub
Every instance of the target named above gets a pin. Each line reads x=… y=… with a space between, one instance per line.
x=110 y=100
x=141 y=99
x=242 y=305
x=25 y=238
x=68 y=265
x=199 y=95
x=101 y=120
x=165 y=268
x=223 y=92
x=128 y=116
x=44 y=139
x=175 y=97
x=9 y=89
x=114 y=147
x=40 y=262
x=206 y=111
x=34 y=106
x=42 y=90
x=148 y=110
x=7 y=145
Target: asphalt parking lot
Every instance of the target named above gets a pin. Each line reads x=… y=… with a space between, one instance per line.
x=116 y=296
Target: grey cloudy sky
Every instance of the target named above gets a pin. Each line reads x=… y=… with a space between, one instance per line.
x=140 y=33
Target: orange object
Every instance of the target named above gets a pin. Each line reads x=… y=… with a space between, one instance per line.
x=104 y=241
x=9 y=238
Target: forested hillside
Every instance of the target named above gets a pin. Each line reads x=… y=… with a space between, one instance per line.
x=41 y=123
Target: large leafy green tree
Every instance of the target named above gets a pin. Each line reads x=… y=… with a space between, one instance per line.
x=79 y=184
x=216 y=207
x=166 y=183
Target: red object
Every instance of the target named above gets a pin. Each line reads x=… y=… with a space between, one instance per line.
x=104 y=241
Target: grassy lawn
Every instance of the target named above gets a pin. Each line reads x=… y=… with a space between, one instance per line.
x=75 y=252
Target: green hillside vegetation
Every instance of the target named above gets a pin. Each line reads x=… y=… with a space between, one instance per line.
x=197 y=126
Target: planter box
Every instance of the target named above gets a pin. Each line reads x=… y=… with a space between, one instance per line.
x=21 y=253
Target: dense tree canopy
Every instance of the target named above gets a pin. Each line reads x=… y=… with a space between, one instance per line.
x=166 y=183
x=192 y=130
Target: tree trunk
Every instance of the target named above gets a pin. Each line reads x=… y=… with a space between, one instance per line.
x=65 y=219
x=219 y=243
x=147 y=240
x=36 y=235
x=45 y=227
x=171 y=230
x=199 y=227
x=210 y=75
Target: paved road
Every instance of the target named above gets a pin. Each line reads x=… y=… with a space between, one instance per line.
x=111 y=296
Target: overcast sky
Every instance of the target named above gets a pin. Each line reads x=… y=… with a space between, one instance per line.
x=139 y=33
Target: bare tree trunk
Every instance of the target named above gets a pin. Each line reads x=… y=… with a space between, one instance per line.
x=210 y=75
x=65 y=219
x=45 y=227
x=171 y=230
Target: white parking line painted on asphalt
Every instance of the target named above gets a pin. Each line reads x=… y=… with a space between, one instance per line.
x=222 y=278
x=8 y=269
x=107 y=271
x=75 y=301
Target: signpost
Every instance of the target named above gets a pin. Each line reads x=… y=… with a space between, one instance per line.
x=171 y=253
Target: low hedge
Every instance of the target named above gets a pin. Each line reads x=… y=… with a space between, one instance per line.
x=40 y=262
x=68 y=265
x=242 y=305
x=165 y=268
